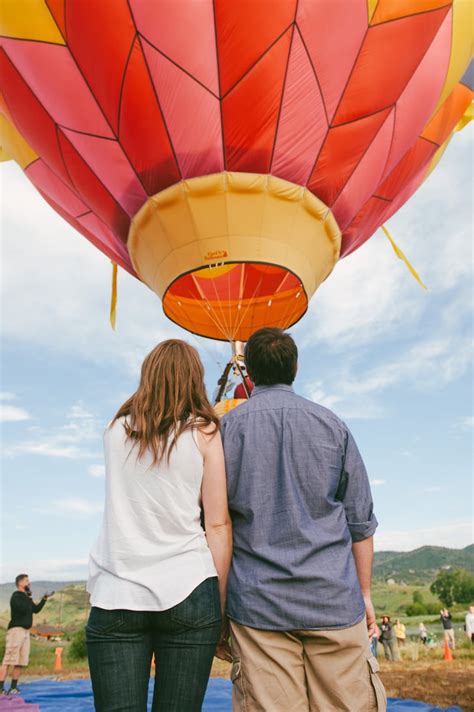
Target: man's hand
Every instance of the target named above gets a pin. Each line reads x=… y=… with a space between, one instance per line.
x=48 y=595
x=370 y=616
x=223 y=646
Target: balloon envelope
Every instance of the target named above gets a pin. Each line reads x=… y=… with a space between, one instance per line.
x=229 y=153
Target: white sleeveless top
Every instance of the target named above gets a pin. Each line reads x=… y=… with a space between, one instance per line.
x=152 y=551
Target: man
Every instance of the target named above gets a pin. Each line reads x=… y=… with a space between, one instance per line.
x=17 y=643
x=388 y=640
x=447 y=623
x=469 y=625
x=299 y=597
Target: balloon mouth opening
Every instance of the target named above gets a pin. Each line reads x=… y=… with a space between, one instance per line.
x=230 y=301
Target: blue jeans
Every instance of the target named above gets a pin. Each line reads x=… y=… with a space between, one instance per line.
x=120 y=645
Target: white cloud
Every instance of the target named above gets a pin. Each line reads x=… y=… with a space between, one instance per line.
x=96 y=470
x=423 y=366
x=47 y=569
x=5 y=395
x=454 y=536
x=10 y=413
x=77 y=505
x=430 y=490
x=77 y=438
x=377 y=483
x=371 y=295
x=466 y=423
x=66 y=283
x=68 y=506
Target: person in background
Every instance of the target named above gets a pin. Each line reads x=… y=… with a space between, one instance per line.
x=17 y=642
x=469 y=625
x=423 y=633
x=374 y=640
x=447 y=623
x=157 y=580
x=389 y=640
x=400 y=633
x=299 y=598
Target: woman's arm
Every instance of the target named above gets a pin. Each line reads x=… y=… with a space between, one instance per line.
x=214 y=501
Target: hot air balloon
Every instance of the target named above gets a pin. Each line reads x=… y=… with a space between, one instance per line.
x=228 y=154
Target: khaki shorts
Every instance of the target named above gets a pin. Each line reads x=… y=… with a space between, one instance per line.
x=17 y=647
x=305 y=671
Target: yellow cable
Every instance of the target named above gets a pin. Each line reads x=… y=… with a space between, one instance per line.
x=113 y=296
x=403 y=257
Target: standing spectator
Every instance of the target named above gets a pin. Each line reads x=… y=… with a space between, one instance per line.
x=17 y=642
x=423 y=633
x=374 y=640
x=470 y=624
x=388 y=640
x=448 y=629
x=400 y=632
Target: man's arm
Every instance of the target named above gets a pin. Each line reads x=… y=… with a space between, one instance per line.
x=37 y=607
x=363 y=552
x=358 y=506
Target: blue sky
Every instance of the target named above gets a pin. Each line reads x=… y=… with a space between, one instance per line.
x=394 y=361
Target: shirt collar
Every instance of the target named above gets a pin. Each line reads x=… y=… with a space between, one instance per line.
x=275 y=387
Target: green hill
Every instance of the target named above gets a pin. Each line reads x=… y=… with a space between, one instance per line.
x=69 y=607
x=421 y=565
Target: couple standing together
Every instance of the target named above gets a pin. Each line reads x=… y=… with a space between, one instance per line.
x=277 y=577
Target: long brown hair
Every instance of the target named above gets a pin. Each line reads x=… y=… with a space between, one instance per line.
x=170 y=399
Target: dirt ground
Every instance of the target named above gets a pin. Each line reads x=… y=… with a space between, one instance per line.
x=439 y=683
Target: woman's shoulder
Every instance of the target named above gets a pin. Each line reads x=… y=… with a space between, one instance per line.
x=115 y=427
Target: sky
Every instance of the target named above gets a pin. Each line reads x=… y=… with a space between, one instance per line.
x=392 y=360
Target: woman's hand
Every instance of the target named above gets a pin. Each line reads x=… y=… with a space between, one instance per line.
x=223 y=651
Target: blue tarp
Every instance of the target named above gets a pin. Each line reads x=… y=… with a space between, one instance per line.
x=76 y=696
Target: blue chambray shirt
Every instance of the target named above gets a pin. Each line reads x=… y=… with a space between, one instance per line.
x=298 y=496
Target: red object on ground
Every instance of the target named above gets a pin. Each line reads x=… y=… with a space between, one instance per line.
x=58 y=663
x=447 y=651
x=16 y=704
x=240 y=392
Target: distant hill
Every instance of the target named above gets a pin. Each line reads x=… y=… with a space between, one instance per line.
x=421 y=565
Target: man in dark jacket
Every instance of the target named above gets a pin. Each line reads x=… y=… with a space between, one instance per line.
x=17 y=643
x=448 y=629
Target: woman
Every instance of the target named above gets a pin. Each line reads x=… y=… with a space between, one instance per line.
x=400 y=632
x=157 y=580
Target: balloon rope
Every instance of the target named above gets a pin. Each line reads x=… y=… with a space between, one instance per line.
x=113 y=296
x=209 y=310
x=403 y=257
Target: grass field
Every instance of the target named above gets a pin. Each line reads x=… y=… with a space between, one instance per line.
x=422 y=674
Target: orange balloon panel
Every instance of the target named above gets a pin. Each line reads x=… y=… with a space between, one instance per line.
x=245 y=298
x=107 y=106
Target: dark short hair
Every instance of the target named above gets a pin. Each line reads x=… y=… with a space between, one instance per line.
x=271 y=357
x=19 y=578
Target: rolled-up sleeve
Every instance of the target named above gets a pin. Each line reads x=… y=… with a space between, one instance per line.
x=357 y=499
